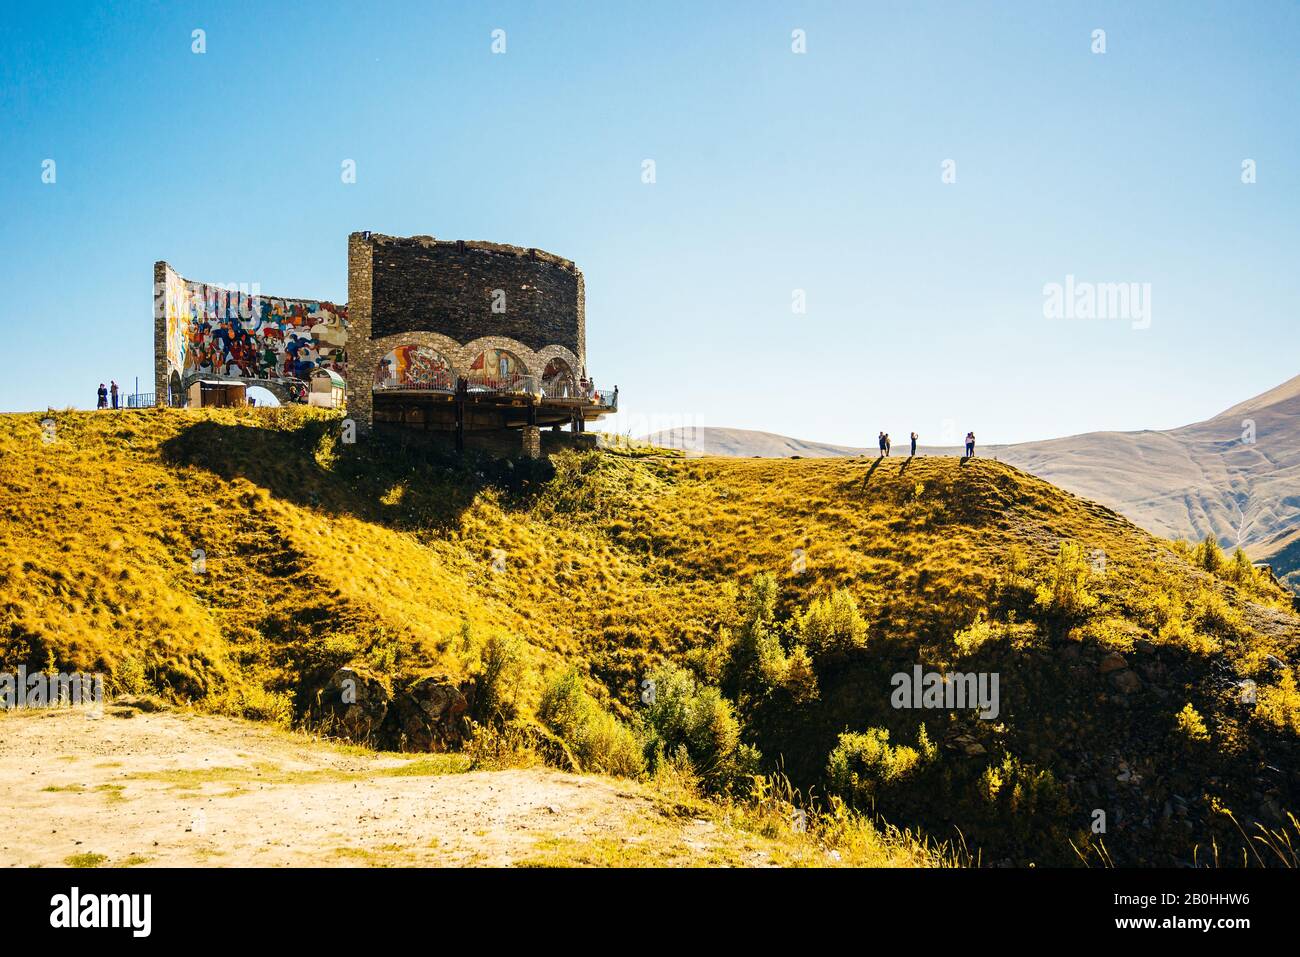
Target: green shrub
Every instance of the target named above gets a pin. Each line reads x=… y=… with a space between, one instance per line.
x=969 y=640
x=832 y=627
x=1014 y=587
x=1279 y=704
x=497 y=679
x=1211 y=613
x=1208 y=555
x=1191 y=725
x=1065 y=592
x=130 y=677
x=862 y=765
x=687 y=715
x=598 y=740
x=760 y=662
x=1015 y=789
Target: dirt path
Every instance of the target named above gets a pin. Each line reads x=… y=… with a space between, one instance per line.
x=175 y=788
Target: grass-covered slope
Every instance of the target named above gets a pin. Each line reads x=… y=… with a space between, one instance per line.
x=1119 y=656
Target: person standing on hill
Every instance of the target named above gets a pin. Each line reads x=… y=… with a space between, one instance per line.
x=970 y=445
x=888 y=445
x=913 y=445
x=112 y=390
x=881 y=442
x=102 y=397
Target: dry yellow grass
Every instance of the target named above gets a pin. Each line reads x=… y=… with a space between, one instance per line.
x=318 y=554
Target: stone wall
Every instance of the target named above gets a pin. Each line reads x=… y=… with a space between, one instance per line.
x=440 y=295
x=423 y=285
x=162 y=362
x=365 y=354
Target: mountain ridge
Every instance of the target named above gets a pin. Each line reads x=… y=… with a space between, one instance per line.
x=1231 y=476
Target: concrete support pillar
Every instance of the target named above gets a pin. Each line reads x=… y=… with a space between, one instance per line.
x=532 y=442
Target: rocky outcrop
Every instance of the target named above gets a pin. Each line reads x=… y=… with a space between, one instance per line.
x=353 y=705
x=428 y=714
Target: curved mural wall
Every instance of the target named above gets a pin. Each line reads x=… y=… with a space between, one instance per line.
x=208 y=328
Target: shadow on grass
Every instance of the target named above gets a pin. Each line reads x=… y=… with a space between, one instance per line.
x=871 y=471
x=398 y=479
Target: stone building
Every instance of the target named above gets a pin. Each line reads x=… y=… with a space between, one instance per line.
x=472 y=341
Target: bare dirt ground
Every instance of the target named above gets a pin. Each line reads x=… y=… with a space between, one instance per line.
x=122 y=787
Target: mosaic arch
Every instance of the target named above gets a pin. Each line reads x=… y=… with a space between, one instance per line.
x=414 y=367
x=558 y=380
x=496 y=367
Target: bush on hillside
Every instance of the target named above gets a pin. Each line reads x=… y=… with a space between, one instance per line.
x=1015 y=791
x=1208 y=555
x=1211 y=614
x=1014 y=587
x=686 y=715
x=761 y=665
x=1065 y=593
x=863 y=765
x=598 y=740
x=498 y=679
x=1191 y=726
x=1278 y=705
x=832 y=627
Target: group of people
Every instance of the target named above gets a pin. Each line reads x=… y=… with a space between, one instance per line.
x=106 y=394
x=886 y=443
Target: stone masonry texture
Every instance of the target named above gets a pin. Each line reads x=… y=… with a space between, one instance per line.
x=440 y=294
x=421 y=284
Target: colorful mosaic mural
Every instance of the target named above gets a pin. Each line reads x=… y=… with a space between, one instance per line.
x=496 y=364
x=414 y=367
x=230 y=332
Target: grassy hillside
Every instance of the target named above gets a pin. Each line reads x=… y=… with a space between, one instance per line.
x=785 y=593
x=1282 y=552
x=1232 y=476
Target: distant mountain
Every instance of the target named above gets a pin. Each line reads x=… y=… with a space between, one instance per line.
x=1235 y=476
x=746 y=443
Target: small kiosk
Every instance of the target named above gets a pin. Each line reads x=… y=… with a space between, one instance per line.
x=218 y=393
x=328 y=389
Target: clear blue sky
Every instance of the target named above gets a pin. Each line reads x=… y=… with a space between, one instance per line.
x=775 y=172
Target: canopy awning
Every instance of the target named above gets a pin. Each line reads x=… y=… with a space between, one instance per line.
x=336 y=380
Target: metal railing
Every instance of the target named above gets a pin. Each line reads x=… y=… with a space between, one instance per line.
x=440 y=382
x=564 y=389
x=512 y=384
x=561 y=387
x=140 y=400
x=516 y=384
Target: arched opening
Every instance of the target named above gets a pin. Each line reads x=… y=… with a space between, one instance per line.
x=414 y=367
x=259 y=396
x=558 y=380
x=175 y=394
x=496 y=370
